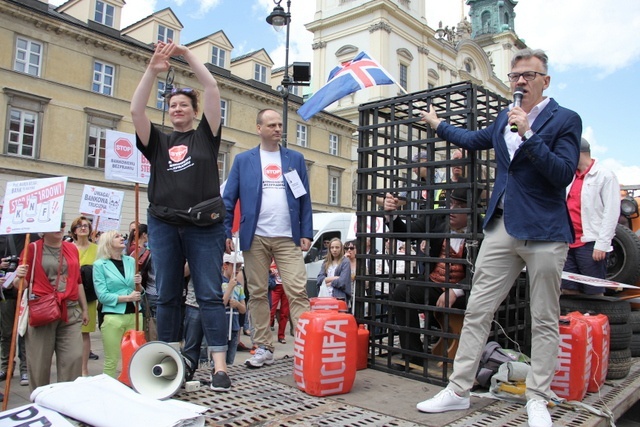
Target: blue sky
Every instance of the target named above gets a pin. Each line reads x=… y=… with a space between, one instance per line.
x=593 y=48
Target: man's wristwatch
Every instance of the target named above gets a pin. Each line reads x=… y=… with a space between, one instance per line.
x=528 y=134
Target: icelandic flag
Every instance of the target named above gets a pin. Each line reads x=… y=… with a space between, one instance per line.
x=359 y=73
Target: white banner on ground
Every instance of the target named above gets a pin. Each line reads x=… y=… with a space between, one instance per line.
x=594 y=281
x=33 y=206
x=104 y=402
x=123 y=161
x=100 y=201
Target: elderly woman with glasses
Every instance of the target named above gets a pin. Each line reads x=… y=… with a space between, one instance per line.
x=184 y=174
x=81 y=230
x=335 y=273
x=52 y=265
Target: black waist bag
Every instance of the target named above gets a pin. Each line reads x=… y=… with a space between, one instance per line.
x=203 y=214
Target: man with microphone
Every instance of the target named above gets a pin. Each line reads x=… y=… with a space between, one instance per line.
x=536 y=144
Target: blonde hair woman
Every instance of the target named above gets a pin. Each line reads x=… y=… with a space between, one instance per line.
x=118 y=288
x=335 y=272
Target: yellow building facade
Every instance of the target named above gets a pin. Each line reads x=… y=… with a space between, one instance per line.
x=67 y=75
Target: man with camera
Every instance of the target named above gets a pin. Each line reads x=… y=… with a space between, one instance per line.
x=11 y=246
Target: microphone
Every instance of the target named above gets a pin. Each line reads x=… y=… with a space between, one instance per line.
x=517 y=102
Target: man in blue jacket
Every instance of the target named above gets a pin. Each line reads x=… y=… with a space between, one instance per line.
x=272 y=185
x=527 y=224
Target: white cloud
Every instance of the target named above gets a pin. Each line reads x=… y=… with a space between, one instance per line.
x=627 y=175
x=582 y=33
x=300 y=39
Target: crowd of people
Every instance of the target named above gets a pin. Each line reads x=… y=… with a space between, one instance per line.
x=551 y=203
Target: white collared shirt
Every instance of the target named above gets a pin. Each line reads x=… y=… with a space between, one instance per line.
x=513 y=139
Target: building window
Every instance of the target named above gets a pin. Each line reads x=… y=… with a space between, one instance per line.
x=28 y=56
x=160 y=104
x=295 y=90
x=96 y=146
x=224 y=111
x=99 y=122
x=260 y=73
x=164 y=34
x=301 y=135
x=335 y=178
x=104 y=13
x=218 y=56
x=222 y=165
x=103 y=77
x=25 y=112
x=334 y=146
x=334 y=190
x=404 y=72
x=23 y=127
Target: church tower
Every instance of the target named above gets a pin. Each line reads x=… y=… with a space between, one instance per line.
x=492 y=16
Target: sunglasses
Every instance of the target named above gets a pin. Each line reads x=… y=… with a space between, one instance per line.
x=349 y=248
x=177 y=91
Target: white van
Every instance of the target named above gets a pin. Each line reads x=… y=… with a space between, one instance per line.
x=326 y=226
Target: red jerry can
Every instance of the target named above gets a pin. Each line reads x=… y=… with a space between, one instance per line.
x=601 y=337
x=574 y=359
x=328 y=303
x=363 y=347
x=325 y=352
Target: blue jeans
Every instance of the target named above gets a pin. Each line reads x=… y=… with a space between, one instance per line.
x=202 y=247
x=193 y=335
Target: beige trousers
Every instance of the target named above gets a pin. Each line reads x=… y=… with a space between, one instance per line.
x=500 y=261
x=290 y=264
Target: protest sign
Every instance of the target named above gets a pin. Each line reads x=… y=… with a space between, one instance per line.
x=33 y=206
x=100 y=201
x=123 y=161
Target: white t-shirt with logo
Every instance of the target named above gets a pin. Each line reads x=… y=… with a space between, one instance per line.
x=274 y=219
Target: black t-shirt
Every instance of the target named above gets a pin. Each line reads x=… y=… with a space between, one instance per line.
x=184 y=166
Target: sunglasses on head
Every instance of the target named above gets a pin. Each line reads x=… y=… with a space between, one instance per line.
x=177 y=91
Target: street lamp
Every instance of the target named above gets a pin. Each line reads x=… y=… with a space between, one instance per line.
x=278 y=18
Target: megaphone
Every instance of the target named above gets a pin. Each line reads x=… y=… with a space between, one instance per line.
x=157 y=370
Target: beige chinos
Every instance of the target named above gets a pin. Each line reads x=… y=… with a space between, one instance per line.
x=65 y=339
x=500 y=261
x=290 y=264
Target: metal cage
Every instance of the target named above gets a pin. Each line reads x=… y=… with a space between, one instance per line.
x=399 y=155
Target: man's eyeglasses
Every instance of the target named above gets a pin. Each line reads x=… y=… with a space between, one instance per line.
x=349 y=248
x=528 y=76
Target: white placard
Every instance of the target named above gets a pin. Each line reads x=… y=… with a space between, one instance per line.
x=594 y=281
x=33 y=206
x=100 y=201
x=107 y=224
x=123 y=161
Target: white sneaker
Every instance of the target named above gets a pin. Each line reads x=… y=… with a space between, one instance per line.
x=261 y=357
x=538 y=413
x=446 y=400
